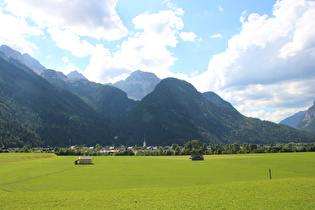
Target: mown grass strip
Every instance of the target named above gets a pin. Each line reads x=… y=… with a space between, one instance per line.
x=17 y=157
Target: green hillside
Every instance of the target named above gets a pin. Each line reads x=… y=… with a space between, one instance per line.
x=175 y=112
x=35 y=112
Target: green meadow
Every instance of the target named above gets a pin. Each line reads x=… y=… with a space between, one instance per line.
x=47 y=181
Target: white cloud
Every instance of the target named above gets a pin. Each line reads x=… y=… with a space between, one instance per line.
x=220 y=8
x=65 y=59
x=104 y=68
x=15 y=36
x=266 y=56
x=274 y=101
x=216 y=36
x=170 y=4
x=188 y=36
x=163 y=27
x=68 y=40
x=145 y=50
x=194 y=73
x=178 y=11
x=243 y=16
x=93 y=18
x=303 y=36
x=66 y=69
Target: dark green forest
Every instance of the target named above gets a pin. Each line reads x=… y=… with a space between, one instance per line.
x=35 y=112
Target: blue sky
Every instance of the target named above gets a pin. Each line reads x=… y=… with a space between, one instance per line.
x=258 y=55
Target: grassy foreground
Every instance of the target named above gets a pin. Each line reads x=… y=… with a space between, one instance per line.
x=39 y=181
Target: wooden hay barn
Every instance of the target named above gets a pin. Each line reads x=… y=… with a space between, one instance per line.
x=196 y=157
x=84 y=160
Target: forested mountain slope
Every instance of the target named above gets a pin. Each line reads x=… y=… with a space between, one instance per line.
x=107 y=100
x=41 y=113
x=175 y=112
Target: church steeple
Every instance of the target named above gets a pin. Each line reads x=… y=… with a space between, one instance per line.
x=144 y=143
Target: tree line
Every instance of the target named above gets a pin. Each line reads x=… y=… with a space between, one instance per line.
x=190 y=148
x=195 y=147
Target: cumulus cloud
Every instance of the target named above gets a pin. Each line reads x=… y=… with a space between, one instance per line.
x=15 y=36
x=216 y=36
x=104 y=68
x=265 y=57
x=145 y=50
x=303 y=36
x=188 y=36
x=93 y=18
x=70 y=24
x=273 y=101
x=68 y=40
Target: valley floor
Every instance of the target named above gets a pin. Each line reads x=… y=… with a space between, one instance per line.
x=41 y=181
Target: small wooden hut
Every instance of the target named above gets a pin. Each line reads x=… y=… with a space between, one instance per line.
x=196 y=157
x=84 y=160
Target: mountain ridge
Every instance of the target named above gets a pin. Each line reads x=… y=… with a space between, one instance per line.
x=294 y=119
x=302 y=120
x=48 y=115
x=76 y=75
x=105 y=99
x=138 y=84
x=175 y=112
x=25 y=58
x=307 y=123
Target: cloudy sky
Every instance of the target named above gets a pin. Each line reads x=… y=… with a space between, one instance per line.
x=258 y=55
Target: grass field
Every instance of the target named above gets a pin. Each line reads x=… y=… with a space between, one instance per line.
x=40 y=181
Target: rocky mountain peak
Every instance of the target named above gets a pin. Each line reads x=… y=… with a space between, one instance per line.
x=138 y=84
x=141 y=76
x=25 y=58
x=52 y=74
x=307 y=123
x=76 y=75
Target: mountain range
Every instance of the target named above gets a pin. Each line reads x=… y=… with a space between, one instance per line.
x=107 y=100
x=294 y=119
x=303 y=120
x=52 y=109
x=307 y=123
